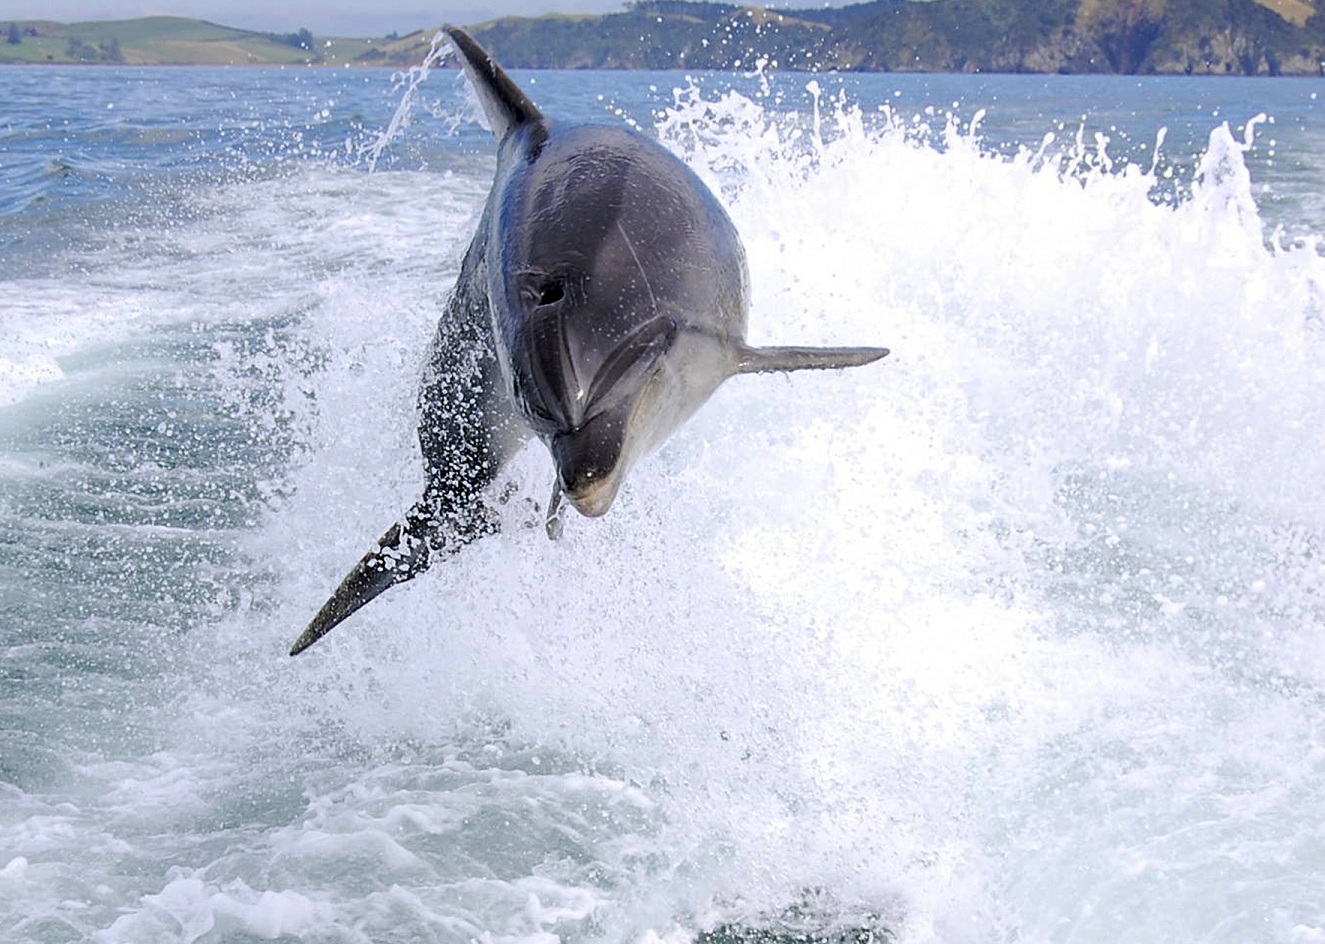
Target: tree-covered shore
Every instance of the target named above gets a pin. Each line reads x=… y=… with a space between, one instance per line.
x=1201 y=37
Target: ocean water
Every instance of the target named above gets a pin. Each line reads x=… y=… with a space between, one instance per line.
x=1018 y=636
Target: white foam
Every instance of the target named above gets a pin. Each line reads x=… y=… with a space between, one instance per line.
x=189 y=909
x=1013 y=632
x=825 y=623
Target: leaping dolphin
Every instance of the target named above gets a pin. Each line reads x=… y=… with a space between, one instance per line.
x=603 y=299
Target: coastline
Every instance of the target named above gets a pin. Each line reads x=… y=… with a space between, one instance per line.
x=1243 y=37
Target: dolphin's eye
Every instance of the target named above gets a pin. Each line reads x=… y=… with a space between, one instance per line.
x=539 y=289
x=551 y=292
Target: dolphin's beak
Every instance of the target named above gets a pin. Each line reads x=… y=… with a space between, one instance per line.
x=589 y=462
x=594 y=498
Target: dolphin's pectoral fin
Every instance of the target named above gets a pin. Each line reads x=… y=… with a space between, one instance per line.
x=554 y=522
x=406 y=550
x=758 y=360
x=400 y=554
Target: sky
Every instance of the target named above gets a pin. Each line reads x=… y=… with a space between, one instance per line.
x=323 y=17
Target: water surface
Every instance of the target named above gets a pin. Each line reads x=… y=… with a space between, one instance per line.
x=1014 y=637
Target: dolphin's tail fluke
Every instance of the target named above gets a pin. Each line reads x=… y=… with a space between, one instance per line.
x=758 y=360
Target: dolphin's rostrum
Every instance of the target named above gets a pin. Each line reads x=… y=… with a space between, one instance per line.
x=602 y=301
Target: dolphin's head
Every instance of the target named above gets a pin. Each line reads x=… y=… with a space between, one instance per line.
x=589 y=392
x=612 y=266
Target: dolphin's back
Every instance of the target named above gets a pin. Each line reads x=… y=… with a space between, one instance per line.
x=606 y=211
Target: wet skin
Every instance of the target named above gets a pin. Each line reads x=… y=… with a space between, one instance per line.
x=603 y=299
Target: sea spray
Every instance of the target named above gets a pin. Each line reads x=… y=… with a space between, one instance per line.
x=1016 y=637
x=407 y=84
x=829 y=632
x=870 y=698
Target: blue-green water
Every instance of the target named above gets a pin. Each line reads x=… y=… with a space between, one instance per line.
x=1015 y=637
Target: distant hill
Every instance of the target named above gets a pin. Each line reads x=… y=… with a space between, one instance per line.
x=169 y=40
x=1206 y=37
x=1210 y=37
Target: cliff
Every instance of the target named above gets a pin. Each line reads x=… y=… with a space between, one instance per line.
x=1215 y=37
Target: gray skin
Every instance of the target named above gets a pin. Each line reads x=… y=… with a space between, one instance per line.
x=603 y=299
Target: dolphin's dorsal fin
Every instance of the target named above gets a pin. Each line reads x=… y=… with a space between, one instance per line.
x=758 y=360
x=503 y=102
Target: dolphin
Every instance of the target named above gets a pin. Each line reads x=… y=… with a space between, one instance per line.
x=603 y=299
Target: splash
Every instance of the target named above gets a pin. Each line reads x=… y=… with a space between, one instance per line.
x=407 y=84
x=882 y=634
x=1017 y=632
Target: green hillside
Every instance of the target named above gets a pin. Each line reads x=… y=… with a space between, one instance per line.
x=1206 y=37
x=168 y=40
x=1209 y=37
